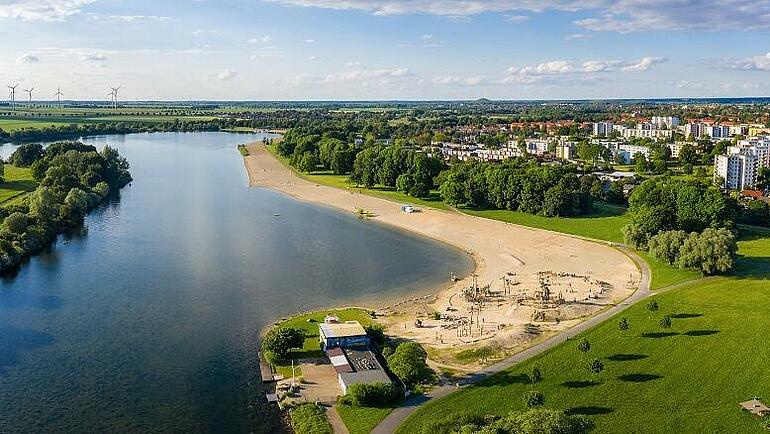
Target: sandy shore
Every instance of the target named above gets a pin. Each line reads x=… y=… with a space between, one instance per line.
x=584 y=276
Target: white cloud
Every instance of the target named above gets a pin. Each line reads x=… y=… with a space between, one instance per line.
x=756 y=63
x=261 y=40
x=427 y=37
x=27 y=59
x=227 y=74
x=461 y=81
x=623 y=16
x=310 y=41
x=41 y=10
x=200 y=33
x=644 y=63
x=518 y=18
x=576 y=36
x=126 y=18
x=358 y=74
x=93 y=57
x=584 y=71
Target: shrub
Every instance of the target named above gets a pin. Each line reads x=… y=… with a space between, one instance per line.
x=533 y=398
x=635 y=236
x=596 y=366
x=376 y=333
x=373 y=394
x=534 y=374
x=309 y=418
x=652 y=306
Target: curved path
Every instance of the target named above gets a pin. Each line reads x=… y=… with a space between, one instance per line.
x=398 y=415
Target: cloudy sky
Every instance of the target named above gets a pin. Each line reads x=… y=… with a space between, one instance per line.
x=386 y=49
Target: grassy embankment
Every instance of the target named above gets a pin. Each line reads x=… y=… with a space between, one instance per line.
x=17 y=183
x=604 y=224
x=680 y=379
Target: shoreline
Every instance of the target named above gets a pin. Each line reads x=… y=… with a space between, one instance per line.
x=497 y=249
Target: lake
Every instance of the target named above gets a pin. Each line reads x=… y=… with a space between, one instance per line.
x=147 y=320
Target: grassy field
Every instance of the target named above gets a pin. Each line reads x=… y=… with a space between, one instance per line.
x=309 y=323
x=18 y=182
x=655 y=380
x=9 y=125
x=362 y=420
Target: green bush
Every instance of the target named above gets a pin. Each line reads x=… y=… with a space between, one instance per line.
x=533 y=398
x=310 y=419
x=373 y=394
x=409 y=364
x=279 y=341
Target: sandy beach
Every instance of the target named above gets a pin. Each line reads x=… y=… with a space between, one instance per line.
x=513 y=265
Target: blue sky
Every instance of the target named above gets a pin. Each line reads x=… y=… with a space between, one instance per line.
x=386 y=49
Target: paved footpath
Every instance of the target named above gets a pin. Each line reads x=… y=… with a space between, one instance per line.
x=334 y=418
x=398 y=415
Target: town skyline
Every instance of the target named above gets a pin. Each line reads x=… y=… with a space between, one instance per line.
x=384 y=50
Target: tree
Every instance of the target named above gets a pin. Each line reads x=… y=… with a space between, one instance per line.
x=652 y=305
x=533 y=398
x=596 y=366
x=43 y=205
x=409 y=364
x=15 y=224
x=665 y=321
x=640 y=163
x=666 y=245
x=584 y=346
x=75 y=206
x=27 y=154
x=712 y=252
x=763 y=178
x=635 y=236
x=623 y=324
x=280 y=340
x=534 y=374
x=687 y=155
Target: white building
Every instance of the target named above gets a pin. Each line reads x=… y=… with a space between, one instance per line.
x=627 y=152
x=694 y=130
x=602 y=129
x=667 y=122
x=739 y=171
x=716 y=131
x=643 y=130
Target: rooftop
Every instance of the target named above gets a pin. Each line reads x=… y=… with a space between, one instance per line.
x=342 y=330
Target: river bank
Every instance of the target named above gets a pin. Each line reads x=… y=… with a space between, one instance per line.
x=512 y=264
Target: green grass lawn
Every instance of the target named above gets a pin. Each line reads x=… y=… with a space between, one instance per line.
x=362 y=420
x=18 y=181
x=689 y=378
x=311 y=349
x=9 y=125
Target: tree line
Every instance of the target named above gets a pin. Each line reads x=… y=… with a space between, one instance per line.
x=73 y=178
x=525 y=185
x=684 y=223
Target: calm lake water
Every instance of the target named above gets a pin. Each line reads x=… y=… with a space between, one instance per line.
x=147 y=321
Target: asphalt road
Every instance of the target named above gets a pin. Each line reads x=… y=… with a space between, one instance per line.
x=394 y=419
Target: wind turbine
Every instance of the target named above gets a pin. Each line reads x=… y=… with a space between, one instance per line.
x=115 y=96
x=29 y=91
x=58 y=94
x=13 y=94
